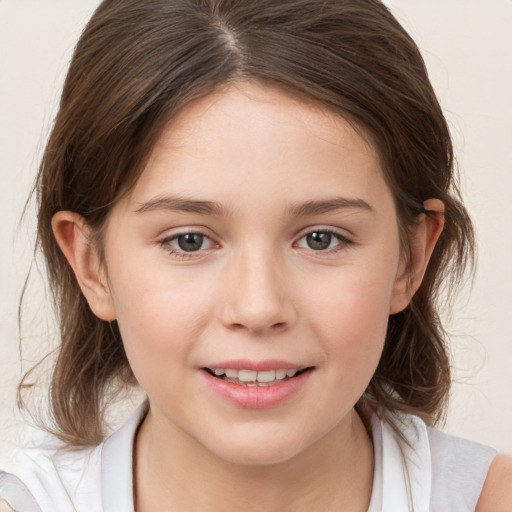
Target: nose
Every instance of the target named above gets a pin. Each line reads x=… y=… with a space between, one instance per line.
x=257 y=295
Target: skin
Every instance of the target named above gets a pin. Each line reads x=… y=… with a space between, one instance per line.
x=4 y=507
x=496 y=494
x=257 y=290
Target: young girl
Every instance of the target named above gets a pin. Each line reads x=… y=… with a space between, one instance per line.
x=247 y=209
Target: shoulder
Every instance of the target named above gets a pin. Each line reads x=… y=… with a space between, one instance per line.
x=14 y=495
x=51 y=479
x=86 y=479
x=459 y=470
x=450 y=452
x=4 y=507
x=496 y=494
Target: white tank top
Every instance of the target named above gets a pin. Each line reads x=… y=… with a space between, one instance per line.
x=433 y=472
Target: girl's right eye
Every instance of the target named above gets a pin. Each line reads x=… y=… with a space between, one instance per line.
x=186 y=243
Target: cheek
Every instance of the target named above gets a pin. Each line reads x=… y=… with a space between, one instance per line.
x=159 y=328
x=158 y=316
x=351 y=316
x=354 y=299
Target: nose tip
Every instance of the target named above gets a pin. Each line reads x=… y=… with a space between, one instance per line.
x=258 y=300
x=257 y=314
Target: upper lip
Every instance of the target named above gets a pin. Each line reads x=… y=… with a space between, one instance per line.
x=258 y=366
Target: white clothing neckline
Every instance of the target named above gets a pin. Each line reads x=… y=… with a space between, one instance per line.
x=401 y=482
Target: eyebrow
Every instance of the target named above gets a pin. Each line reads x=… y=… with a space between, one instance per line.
x=317 y=207
x=329 y=205
x=181 y=204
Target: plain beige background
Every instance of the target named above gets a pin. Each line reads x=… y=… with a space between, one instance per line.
x=467 y=45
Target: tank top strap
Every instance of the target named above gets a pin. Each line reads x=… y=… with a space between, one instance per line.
x=402 y=467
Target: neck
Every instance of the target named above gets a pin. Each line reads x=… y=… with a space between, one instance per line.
x=335 y=473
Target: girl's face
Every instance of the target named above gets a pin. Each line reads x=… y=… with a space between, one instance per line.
x=261 y=240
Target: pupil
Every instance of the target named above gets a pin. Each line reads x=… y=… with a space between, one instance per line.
x=190 y=242
x=319 y=240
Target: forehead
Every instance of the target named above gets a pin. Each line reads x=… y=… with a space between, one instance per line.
x=256 y=142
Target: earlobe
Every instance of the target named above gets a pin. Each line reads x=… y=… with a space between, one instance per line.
x=423 y=239
x=72 y=235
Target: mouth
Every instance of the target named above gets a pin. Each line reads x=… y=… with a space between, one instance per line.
x=252 y=378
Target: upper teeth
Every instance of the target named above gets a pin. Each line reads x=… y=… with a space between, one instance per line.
x=253 y=376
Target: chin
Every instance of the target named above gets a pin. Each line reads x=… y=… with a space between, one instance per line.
x=256 y=448
x=256 y=456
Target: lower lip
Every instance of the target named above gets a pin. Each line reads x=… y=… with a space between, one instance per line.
x=256 y=397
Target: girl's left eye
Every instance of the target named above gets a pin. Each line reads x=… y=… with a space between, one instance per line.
x=321 y=240
x=187 y=243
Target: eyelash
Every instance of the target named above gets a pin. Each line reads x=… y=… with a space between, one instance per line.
x=181 y=254
x=165 y=243
x=343 y=241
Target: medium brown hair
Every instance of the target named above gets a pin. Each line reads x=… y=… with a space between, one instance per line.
x=138 y=62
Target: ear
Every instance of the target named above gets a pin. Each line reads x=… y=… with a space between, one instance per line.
x=72 y=235
x=424 y=236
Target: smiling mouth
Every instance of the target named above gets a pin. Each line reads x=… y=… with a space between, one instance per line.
x=253 y=378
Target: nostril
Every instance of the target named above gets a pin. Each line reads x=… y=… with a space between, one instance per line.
x=256 y=316
x=276 y=326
